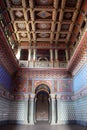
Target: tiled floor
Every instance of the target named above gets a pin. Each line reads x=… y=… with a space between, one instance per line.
x=42 y=127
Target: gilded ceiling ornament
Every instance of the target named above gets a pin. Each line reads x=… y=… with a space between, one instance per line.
x=21 y=25
x=43 y=25
x=63 y=35
x=43 y=14
x=23 y=35
x=43 y=35
x=16 y=2
x=68 y=15
x=19 y=14
x=65 y=27
x=44 y=1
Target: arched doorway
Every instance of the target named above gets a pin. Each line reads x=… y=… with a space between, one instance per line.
x=42 y=102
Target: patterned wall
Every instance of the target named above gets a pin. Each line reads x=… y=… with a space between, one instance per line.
x=80 y=80
x=27 y=81
x=66 y=112
x=81 y=113
x=4 y=109
x=5 y=78
x=80 y=95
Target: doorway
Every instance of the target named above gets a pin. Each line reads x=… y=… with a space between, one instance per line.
x=42 y=103
x=42 y=106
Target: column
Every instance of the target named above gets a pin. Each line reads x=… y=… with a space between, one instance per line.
x=56 y=55
x=56 y=58
x=51 y=55
x=58 y=99
x=18 y=53
x=66 y=51
x=29 y=55
x=31 y=109
x=34 y=54
x=49 y=110
x=26 y=115
x=53 y=109
x=35 y=100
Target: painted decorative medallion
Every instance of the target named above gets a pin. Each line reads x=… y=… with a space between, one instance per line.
x=19 y=14
x=43 y=35
x=68 y=15
x=16 y=2
x=43 y=14
x=43 y=26
x=71 y=3
x=23 y=35
x=62 y=36
x=44 y=2
x=65 y=26
x=21 y=25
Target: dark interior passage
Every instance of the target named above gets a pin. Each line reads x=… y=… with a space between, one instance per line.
x=42 y=106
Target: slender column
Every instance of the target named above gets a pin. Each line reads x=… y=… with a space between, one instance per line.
x=26 y=112
x=66 y=55
x=51 y=55
x=57 y=98
x=31 y=109
x=53 y=110
x=35 y=100
x=34 y=54
x=29 y=55
x=18 y=53
x=49 y=109
x=56 y=55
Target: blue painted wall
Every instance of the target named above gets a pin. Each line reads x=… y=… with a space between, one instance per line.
x=5 y=78
x=80 y=79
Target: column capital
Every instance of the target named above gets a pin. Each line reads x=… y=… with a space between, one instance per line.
x=57 y=96
x=52 y=96
x=32 y=96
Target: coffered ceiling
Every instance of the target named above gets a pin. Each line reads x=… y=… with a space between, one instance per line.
x=45 y=22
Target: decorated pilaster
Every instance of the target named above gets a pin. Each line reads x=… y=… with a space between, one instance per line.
x=53 y=109
x=31 y=109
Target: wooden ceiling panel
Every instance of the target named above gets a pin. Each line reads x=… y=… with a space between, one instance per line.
x=51 y=21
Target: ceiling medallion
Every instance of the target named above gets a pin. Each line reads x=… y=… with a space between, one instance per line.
x=21 y=25
x=43 y=25
x=44 y=1
x=68 y=15
x=71 y=3
x=23 y=35
x=65 y=27
x=19 y=14
x=43 y=35
x=62 y=35
x=43 y=14
x=16 y=2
